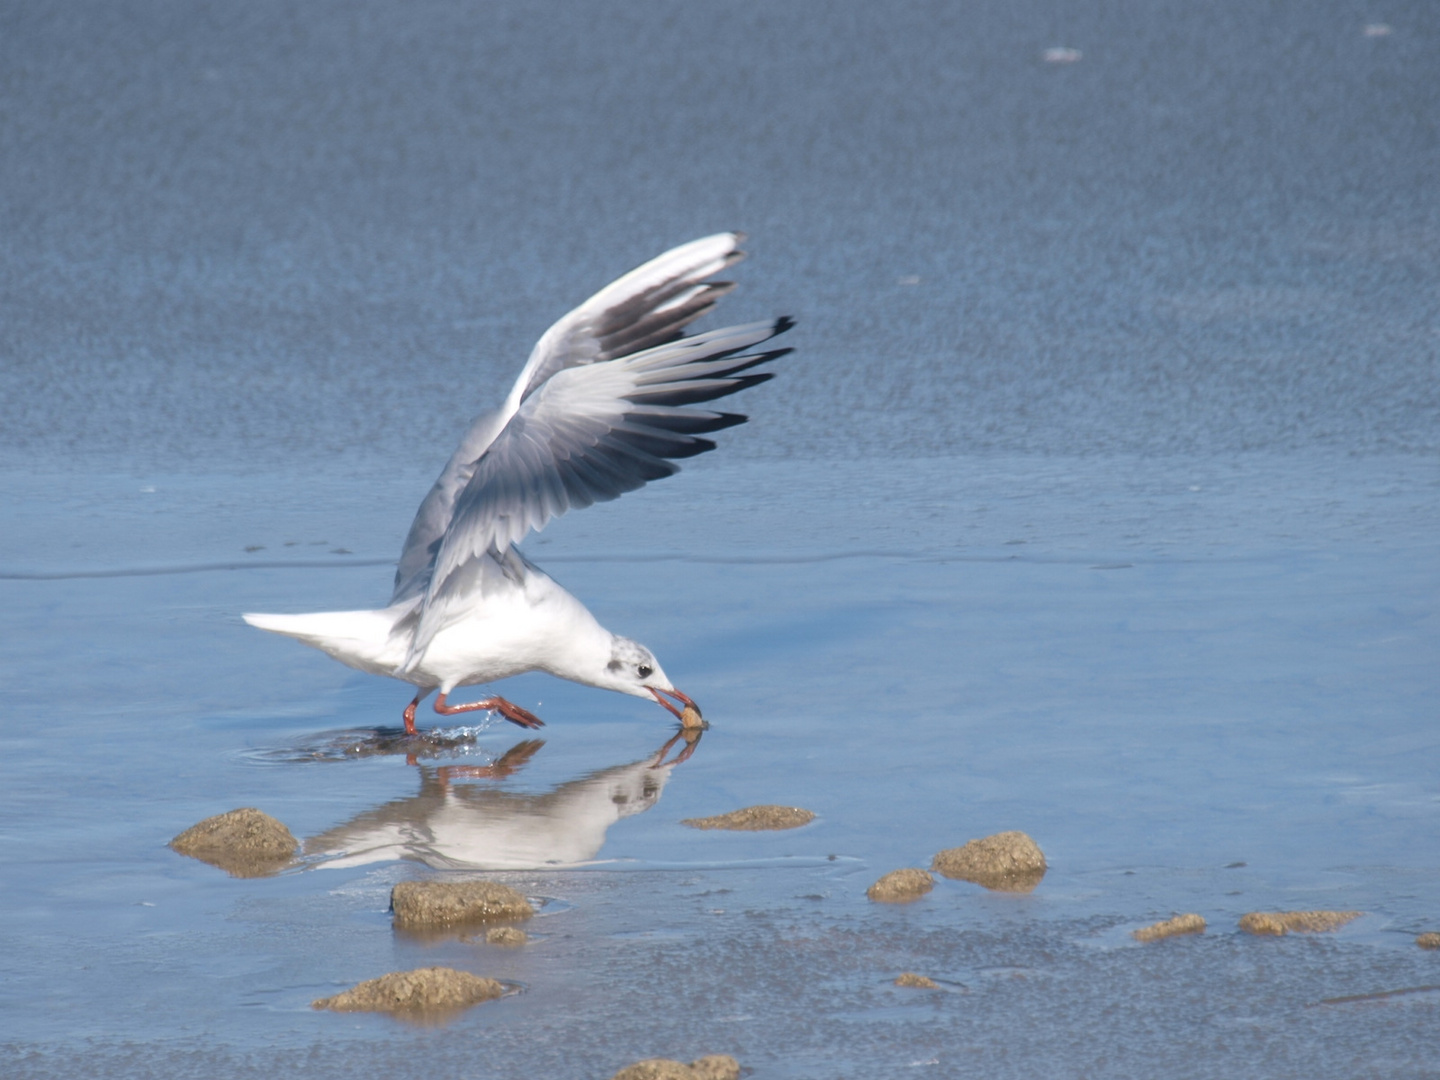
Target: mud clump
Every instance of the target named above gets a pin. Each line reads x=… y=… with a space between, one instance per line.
x=713 y=1067
x=1005 y=862
x=1180 y=924
x=244 y=843
x=901 y=886
x=507 y=936
x=434 y=989
x=716 y=1067
x=920 y=982
x=755 y=819
x=1276 y=923
x=1428 y=941
x=422 y=904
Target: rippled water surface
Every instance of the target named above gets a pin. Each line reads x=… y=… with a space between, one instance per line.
x=1099 y=500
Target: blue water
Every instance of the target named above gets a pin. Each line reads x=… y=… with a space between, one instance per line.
x=1099 y=500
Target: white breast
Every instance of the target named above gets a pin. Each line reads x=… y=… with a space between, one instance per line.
x=515 y=619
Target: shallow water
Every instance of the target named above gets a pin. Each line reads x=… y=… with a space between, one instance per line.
x=1211 y=721
x=1117 y=526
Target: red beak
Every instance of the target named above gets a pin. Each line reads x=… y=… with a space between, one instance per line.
x=676 y=712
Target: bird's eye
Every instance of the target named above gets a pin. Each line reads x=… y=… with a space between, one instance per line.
x=645 y=670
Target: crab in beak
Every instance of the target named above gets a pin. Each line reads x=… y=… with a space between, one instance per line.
x=689 y=716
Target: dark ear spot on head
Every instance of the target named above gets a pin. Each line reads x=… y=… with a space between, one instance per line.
x=614 y=665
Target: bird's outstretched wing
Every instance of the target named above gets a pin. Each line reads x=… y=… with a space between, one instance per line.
x=649 y=306
x=588 y=435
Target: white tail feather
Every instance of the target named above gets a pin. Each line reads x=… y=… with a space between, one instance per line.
x=361 y=639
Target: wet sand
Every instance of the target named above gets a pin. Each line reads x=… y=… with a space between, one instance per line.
x=1009 y=861
x=425 y=904
x=424 y=991
x=1168 y=928
x=754 y=819
x=244 y=843
x=901 y=886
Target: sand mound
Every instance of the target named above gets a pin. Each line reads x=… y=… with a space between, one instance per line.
x=713 y=1067
x=423 y=990
x=901 y=886
x=243 y=843
x=920 y=982
x=755 y=818
x=419 y=904
x=1275 y=923
x=506 y=935
x=1180 y=924
x=1007 y=861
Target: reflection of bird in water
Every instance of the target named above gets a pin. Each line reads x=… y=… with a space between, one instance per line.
x=451 y=825
x=600 y=408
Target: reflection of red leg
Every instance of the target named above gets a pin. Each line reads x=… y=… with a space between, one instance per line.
x=410 y=711
x=514 y=713
x=508 y=763
x=516 y=757
x=446 y=773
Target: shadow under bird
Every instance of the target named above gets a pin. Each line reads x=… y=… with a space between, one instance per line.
x=605 y=404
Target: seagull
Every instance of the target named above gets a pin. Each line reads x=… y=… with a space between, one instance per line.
x=604 y=405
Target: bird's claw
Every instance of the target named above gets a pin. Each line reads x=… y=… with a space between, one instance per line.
x=516 y=715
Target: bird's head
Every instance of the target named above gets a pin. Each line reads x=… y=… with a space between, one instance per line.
x=633 y=669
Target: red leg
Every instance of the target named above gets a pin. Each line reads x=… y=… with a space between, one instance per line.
x=410 y=711
x=514 y=713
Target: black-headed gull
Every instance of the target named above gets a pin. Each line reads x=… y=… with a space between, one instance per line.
x=601 y=408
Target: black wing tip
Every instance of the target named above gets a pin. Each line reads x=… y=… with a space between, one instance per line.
x=774 y=354
x=690 y=449
x=756 y=361
x=689 y=422
x=782 y=324
x=727 y=420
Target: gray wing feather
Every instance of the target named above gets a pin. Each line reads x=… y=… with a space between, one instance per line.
x=417 y=556
x=589 y=434
x=650 y=305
